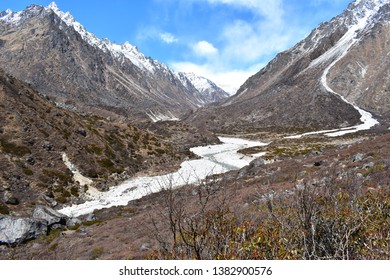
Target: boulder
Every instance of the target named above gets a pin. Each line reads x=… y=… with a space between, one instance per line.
x=257 y=163
x=72 y=222
x=91 y=217
x=368 y=165
x=15 y=230
x=47 y=146
x=145 y=247
x=9 y=198
x=30 y=160
x=357 y=157
x=50 y=216
x=82 y=132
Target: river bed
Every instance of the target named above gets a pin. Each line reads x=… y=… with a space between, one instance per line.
x=215 y=159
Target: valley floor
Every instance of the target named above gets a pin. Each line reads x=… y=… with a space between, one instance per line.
x=214 y=159
x=301 y=175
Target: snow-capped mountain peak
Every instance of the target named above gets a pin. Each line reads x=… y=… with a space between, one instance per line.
x=127 y=50
x=366 y=8
x=120 y=51
x=209 y=90
x=200 y=83
x=66 y=17
x=132 y=53
x=369 y=3
x=358 y=17
x=15 y=18
x=53 y=6
x=346 y=56
x=124 y=50
x=10 y=17
x=130 y=70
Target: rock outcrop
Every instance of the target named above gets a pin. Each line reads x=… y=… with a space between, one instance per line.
x=49 y=215
x=16 y=230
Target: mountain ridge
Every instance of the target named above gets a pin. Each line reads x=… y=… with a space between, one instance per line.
x=289 y=92
x=119 y=70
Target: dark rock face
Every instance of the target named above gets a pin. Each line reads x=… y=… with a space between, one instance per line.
x=289 y=93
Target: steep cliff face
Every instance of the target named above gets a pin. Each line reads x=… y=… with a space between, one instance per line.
x=49 y=49
x=363 y=75
x=297 y=90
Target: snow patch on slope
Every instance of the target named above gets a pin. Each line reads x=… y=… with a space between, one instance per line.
x=200 y=83
x=345 y=43
x=127 y=50
x=362 y=68
x=362 y=18
x=366 y=118
x=156 y=117
x=10 y=17
x=77 y=176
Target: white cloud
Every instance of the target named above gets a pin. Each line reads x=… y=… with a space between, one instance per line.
x=248 y=42
x=155 y=33
x=248 y=34
x=204 y=48
x=168 y=38
x=253 y=39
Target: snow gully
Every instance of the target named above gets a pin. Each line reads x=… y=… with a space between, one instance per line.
x=341 y=49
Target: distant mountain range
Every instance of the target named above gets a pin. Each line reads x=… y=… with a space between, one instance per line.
x=53 y=52
x=337 y=77
x=334 y=78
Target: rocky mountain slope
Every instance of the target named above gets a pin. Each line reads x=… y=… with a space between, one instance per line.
x=349 y=55
x=59 y=57
x=40 y=141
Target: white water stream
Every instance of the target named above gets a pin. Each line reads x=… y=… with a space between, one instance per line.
x=215 y=159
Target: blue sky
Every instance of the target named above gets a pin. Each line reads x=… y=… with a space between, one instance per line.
x=224 y=40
